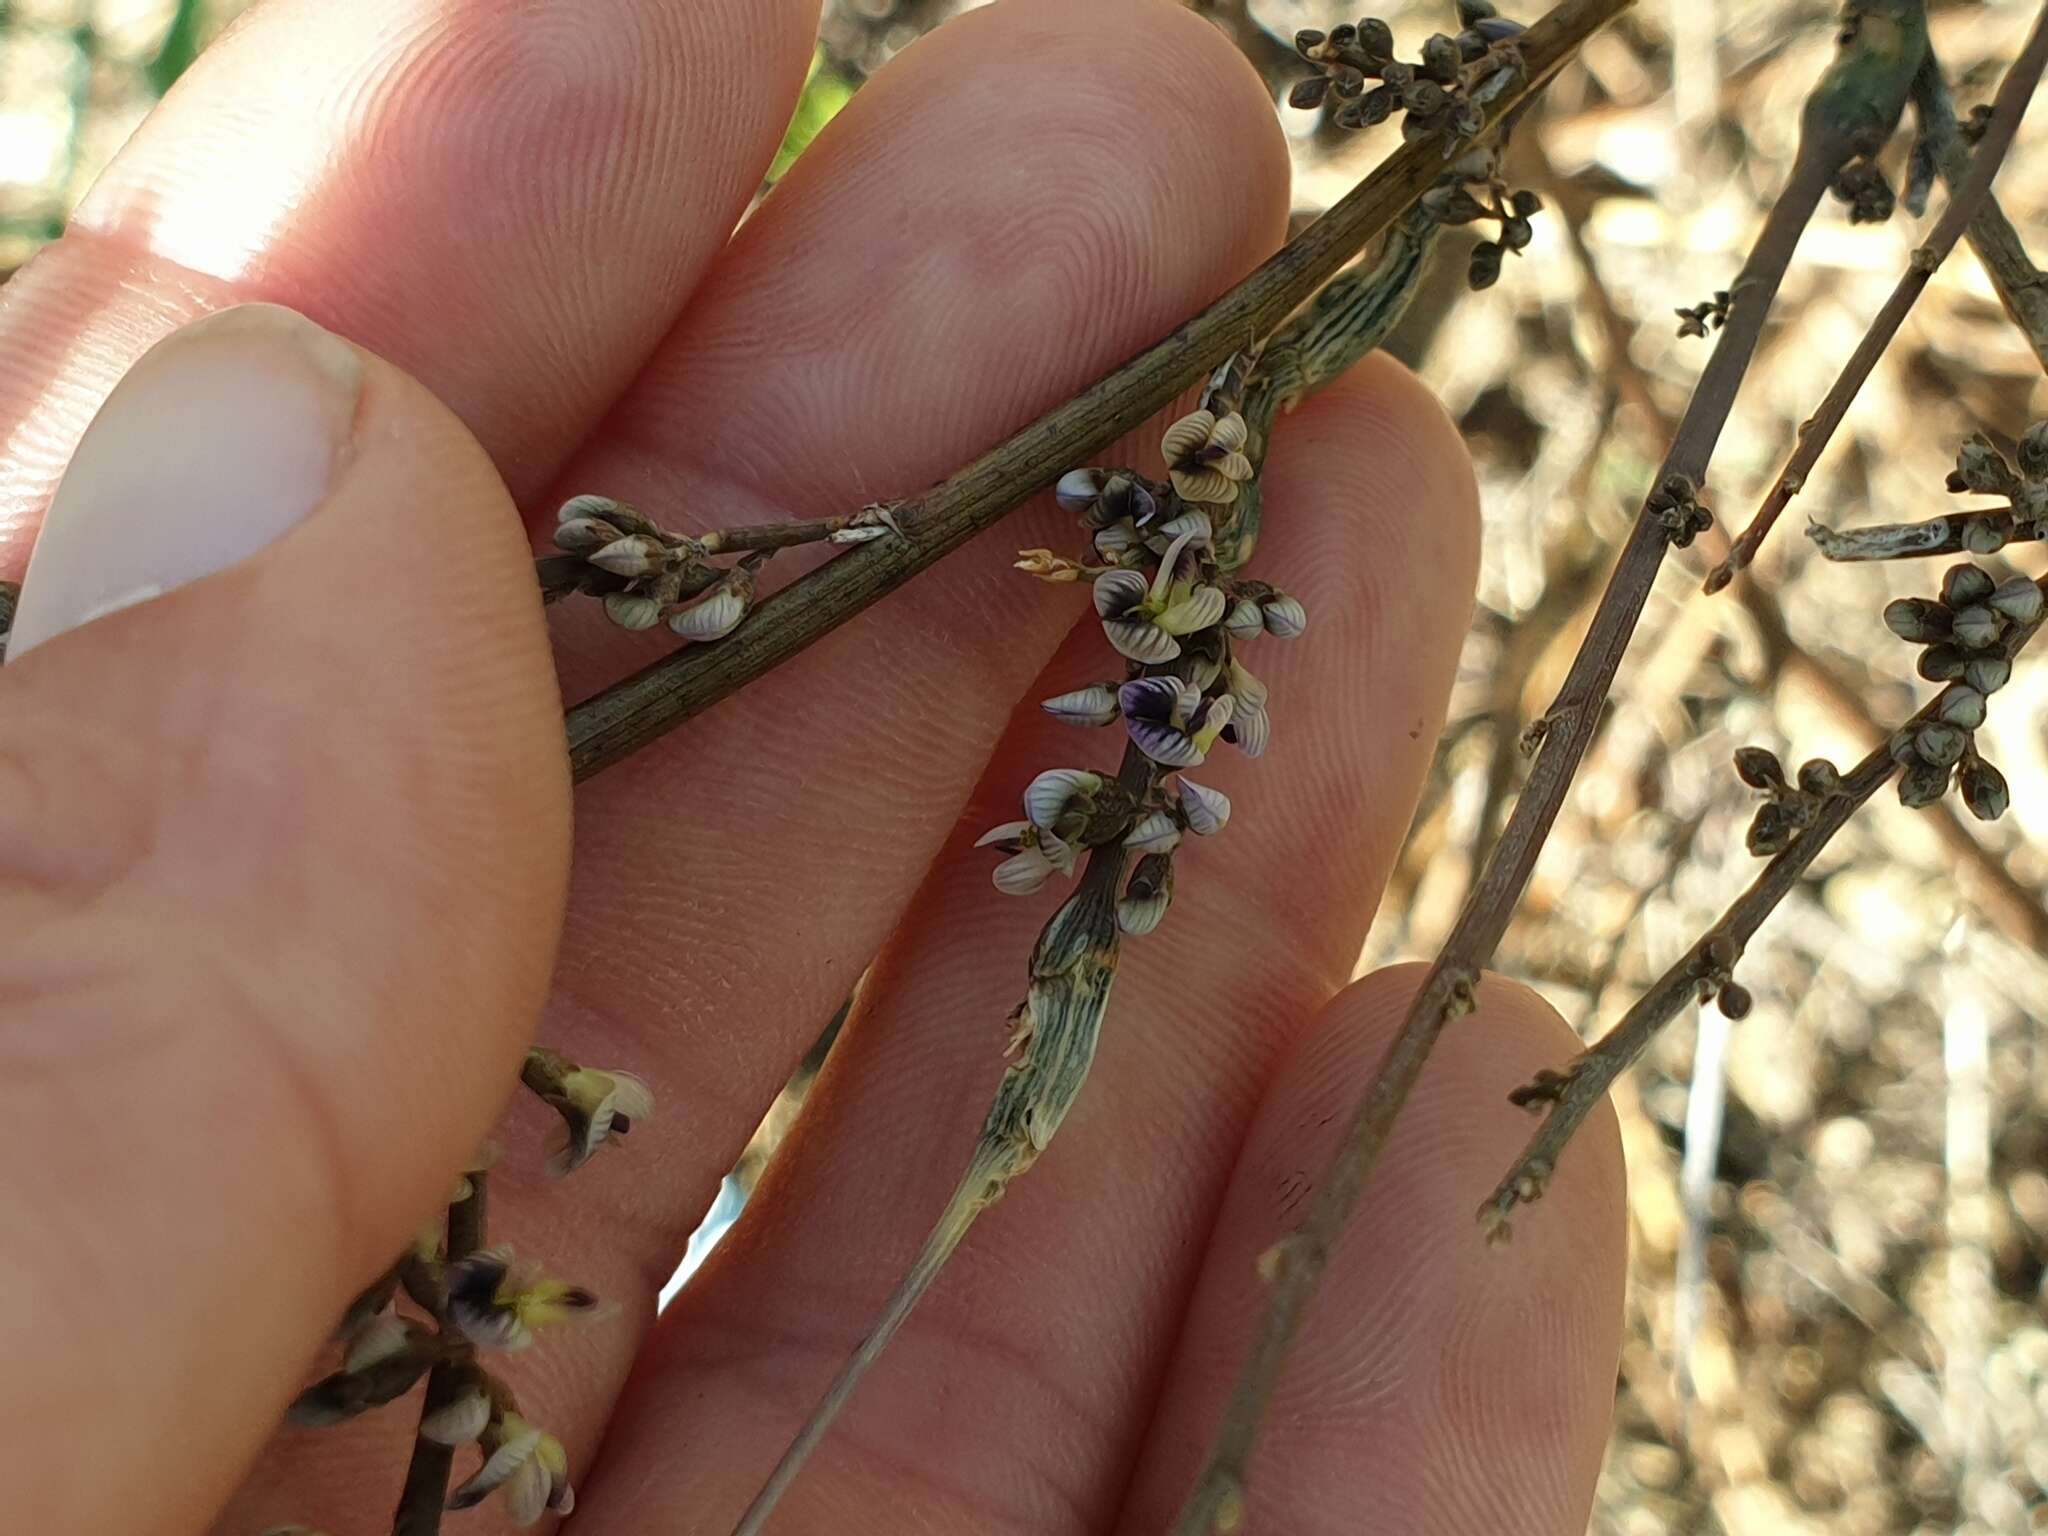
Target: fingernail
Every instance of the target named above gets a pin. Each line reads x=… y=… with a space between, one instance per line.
x=217 y=442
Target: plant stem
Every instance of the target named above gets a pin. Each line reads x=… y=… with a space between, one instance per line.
x=635 y=711
x=1297 y=1263
x=1964 y=202
x=2022 y=288
x=425 y=1495
x=1574 y=1097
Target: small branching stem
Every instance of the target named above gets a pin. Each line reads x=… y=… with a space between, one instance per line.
x=1217 y=1501
x=425 y=1495
x=2022 y=288
x=1966 y=199
x=635 y=711
x=1568 y=1098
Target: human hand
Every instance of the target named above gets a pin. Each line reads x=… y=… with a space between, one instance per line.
x=286 y=859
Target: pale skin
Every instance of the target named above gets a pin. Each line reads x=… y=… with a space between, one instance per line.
x=254 y=1019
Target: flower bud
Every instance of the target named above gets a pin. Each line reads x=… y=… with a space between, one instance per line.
x=2033 y=451
x=1987 y=674
x=1734 y=1001
x=1939 y=744
x=1917 y=620
x=1961 y=705
x=1964 y=584
x=1976 y=626
x=1759 y=768
x=1922 y=784
x=1818 y=776
x=1984 y=789
x=2018 y=599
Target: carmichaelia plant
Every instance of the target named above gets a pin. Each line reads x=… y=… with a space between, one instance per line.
x=1169 y=567
x=475 y=1302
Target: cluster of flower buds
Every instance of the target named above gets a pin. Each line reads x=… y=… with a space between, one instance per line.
x=1176 y=618
x=645 y=574
x=1982 y=470
x=1711 y=312
x=1963 y=634
x=1429 y=91
x=1676 y=503
x=479 y=1302
x=1432 y=93
x=1717 y=983
x=1862 y=185
x=1789 y=808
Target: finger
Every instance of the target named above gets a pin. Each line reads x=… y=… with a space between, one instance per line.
x=1057 y=1319
x=281 y=858
x=510 y=202
x=1440 y=1386
x=732 y=883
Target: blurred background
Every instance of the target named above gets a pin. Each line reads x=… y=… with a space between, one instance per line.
x=1837 y=1319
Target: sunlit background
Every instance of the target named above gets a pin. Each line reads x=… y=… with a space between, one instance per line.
x=1837 y=1321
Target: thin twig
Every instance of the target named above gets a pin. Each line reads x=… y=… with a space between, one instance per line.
x=631 y=713
x=1572 y=1096
x=1968 y=197
x=1296 y=1265
x=426 y=1477
x=2021 y=286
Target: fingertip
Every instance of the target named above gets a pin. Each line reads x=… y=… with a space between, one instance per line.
x=1441 y=1385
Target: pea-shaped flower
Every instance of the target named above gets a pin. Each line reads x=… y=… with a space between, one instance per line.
x=1205 y=456
x=1170 y=721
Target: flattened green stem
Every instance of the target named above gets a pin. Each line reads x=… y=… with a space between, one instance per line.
x=1072 y=968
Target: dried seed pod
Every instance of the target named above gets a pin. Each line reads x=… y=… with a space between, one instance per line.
x=1977 y=626
x=1308 y=94
x=1942 y=663
x=2033 y=451
x=1987 y=674
x=2018 y=599
x=1818 y=776
x=1961 y=705
x=1375 y=38
x=1770 y=831
x=1917 y=620
x=1484 y=271
x=1759 y=768
x=1441 y=59
x=1922 y=784
x=1984 y=789
x=1965 y=584
x=1939 y=744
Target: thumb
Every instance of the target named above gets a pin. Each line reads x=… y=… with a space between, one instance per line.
x=283 y=842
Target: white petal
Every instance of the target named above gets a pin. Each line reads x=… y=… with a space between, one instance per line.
x=1253 y=729
x=1047 y=795
x=1197 y=611
x=1230 y=433
x=1158 y=832
x=508 y=1458
x=1193 y=521
x=582 y=535
x=1207 y=485
x=1094 y=705
x=1139 y=915
x=712 y=619
x=1247 y=620
x=577 y=508
x=1188 y=435
x=1023 y=873
x=1117 y=592
x=564 y=1156
x=459 y=1422
x=1008 y=831
x=1140 y=641
x=1248 y=690
x=1207 y=810
x=632 y=610
x=1285 y=617
x=1078 y=489
x=633 y=1098
x=1233 y=466
x=526 y=1493
x=1117 y=538
x=1058 y=852
x=379 y=1339
x=635 y=555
